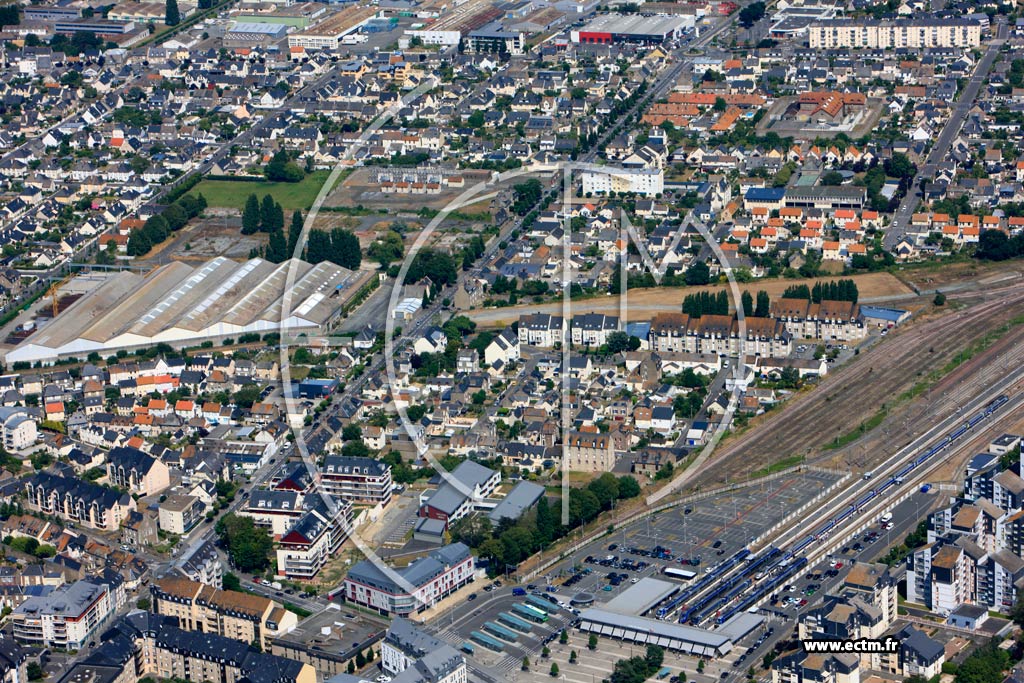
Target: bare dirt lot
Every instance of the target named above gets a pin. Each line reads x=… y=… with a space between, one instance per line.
x=219 y=234
x=642 y=304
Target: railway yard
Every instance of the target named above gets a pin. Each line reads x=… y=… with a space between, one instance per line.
x=886 y=375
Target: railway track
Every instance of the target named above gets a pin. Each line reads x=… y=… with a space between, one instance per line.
x=745 y=579
x=887 y=370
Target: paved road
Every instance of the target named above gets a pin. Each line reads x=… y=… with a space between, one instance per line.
x=901 y=220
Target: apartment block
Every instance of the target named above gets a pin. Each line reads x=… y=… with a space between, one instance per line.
x=239 y=616
x=66 y=618
x=314 y=539
x=900 y=33
x=143 y=644
x=439 y=574
x=361 y=481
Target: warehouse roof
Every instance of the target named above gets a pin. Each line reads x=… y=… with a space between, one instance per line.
x=635 y=24
x=179 y=303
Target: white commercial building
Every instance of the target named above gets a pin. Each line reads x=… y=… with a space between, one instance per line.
x=431 y=578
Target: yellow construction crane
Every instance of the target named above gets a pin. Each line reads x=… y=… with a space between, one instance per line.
x=52 y=293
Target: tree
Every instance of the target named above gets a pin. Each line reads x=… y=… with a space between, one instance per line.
x=554 y=670
x=271 y=215
x=34 y=671
x=698 y=274
x=339 y=246
x=294 y=232
x=832 y=178
x=655 y=656
x=281 y=169
x=247 y=395
x=563 y=637
x=360 y=660
x=526 y=664
x=175 y=216
x=628 y=487
x=761 y=310
x=143 y=604
x=1017 y=611
x=940 y=299
x=606 y=489
x=351 y=667
x=251 y=215
x=720 y=104
x=138 y=243
x=172 y=17
x=345 y=247
x=900 y=166
x=231 y=582
x=618 y=342
x=387 y=249
x=751 y=14
x=248 y=545
x=572 y=657
x=747 y=303
x=592 y=642
x=277 y=247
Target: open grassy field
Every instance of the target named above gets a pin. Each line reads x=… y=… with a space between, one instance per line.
x=232 y=194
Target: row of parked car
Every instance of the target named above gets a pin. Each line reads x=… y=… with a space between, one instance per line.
x=758 y=643
x=577 y=577
x=615 y=562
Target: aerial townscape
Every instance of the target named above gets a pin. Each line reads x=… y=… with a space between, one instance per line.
x=511 y=341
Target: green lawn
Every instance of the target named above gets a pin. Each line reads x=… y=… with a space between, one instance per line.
x=291 y=196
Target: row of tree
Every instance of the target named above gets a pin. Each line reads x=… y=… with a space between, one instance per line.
x=339 y=246
x=267 y=216
x=761 y=310
x=995 y=245
x=159 y=227
x=512 y=541
x=706 y=303
x=841 y=290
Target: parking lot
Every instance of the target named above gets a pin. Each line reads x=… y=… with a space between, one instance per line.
x=693 y=537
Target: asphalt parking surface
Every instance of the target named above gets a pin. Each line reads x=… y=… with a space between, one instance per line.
x=732 y=521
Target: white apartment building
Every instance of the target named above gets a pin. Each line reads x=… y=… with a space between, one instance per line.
x=646 y=182
x=901 y=33
x=66 y=618
x=18 y=428
x=405 y=646
x=433 y=577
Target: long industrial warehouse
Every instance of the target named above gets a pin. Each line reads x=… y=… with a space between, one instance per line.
x=182 y=305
